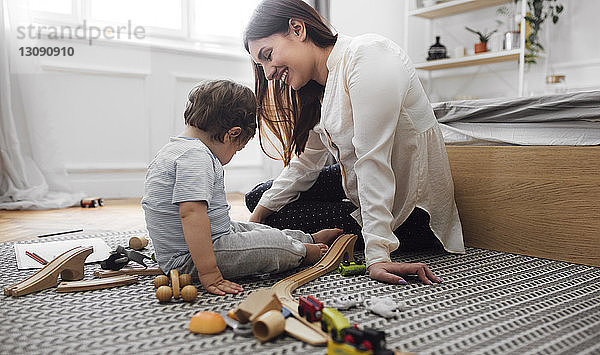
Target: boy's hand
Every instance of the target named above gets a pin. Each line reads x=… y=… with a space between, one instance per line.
x=214 y=283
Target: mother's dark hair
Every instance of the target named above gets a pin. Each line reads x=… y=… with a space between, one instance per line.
x=287 y=113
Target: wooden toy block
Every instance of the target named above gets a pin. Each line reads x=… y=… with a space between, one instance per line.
x=69 y=265
x=257 y=303
x=96 y=284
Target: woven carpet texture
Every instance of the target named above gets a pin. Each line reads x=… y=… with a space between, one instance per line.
x=490 y=303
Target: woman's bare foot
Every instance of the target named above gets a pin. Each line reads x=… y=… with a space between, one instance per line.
x=314 y=253
x=327 y=236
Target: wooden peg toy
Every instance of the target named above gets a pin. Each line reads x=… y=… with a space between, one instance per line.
x=189 y=293
x=185 y=279
x=175 y=283
x=164 y=293
x=161 y=280
x=138 y=243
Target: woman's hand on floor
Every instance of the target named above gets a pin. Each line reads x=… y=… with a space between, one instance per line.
x=215 y=284
x=389 y=271
x=260 y=214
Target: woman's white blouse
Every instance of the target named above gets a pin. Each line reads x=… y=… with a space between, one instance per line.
x=378 y=123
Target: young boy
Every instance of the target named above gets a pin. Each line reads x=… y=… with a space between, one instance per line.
x=186 y=212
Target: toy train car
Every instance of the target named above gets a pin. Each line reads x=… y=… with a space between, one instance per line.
x=333 y=322
x=91 y=202
x=359 y=341
x=350 y=268
x=311 y=308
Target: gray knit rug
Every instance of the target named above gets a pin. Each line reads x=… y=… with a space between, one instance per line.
x=490 y=303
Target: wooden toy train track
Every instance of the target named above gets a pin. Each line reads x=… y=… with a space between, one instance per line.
x=69 y=265
x=297 y=326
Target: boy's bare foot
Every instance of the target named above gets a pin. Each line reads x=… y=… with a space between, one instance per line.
x=327 y=236
x=314 y=253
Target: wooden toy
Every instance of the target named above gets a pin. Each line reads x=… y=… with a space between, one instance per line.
x=311 y=308
x=164 y=293
x=161 y=280
x=257 y=303
x=145 y=271
x=231 y=314
x=175 y=283
x=296 y=326
x=207 y=323
x=185 y=279
x=69 y=265
x=268 y=325
x=96 y=284
x=138 y=243
x=189 y=293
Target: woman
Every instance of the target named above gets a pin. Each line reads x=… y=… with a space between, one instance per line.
x=360 y=100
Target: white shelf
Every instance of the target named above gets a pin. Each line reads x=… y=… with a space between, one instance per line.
x=478 y=59
x=454 y=7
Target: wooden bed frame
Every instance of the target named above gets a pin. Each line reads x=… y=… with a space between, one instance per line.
x=541 y=201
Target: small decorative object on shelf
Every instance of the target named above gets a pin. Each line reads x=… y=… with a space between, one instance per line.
x=437 y=50
x=556 y=84
x=483 y=39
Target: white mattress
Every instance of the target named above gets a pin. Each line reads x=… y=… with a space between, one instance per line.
x=567 y=119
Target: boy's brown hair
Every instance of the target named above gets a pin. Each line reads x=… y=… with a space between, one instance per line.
x=216 y=106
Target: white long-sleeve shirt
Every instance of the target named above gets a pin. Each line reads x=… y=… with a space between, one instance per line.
x=378 y=123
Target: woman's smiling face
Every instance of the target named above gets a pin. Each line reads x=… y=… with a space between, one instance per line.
x=284 y=57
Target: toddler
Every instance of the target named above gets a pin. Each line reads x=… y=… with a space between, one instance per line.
x=187 y=214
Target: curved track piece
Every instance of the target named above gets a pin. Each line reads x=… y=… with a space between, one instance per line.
x=68 y=264
x=342 y=248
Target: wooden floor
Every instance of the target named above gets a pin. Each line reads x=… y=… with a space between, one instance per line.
x=115 y=215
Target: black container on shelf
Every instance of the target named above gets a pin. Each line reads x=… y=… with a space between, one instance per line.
x=437 y=51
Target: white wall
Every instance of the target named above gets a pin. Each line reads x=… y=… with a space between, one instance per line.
x=111 y=107
x=574 y=44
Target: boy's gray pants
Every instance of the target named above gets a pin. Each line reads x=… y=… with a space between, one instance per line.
x=254 y=248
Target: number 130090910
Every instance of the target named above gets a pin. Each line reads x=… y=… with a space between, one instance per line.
x=46 y=51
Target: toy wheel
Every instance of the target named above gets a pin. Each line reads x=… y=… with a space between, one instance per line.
x=323 y=326
x=301 y=311
x=318 y=315
x=334 y=334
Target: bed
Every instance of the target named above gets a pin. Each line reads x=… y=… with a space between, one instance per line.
x=527 y=173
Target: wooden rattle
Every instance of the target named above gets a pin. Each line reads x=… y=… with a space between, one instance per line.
x=164 y=293
x=180 y=287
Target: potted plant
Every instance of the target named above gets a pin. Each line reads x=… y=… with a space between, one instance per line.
x=537 y=13
x=483 y=39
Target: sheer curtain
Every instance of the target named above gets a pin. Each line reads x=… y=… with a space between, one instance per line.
x=32 y=176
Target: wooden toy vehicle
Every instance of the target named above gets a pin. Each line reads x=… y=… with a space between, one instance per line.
x=350 y=268
x=91 y=202
x=333 y=322
x=359 y=341
x=311 y=308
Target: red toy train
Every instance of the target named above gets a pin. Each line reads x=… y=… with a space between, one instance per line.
x=311 y=308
